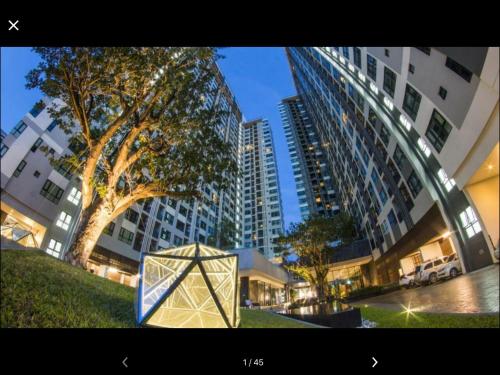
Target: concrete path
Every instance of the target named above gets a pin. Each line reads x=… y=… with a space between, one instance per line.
x=475 y=292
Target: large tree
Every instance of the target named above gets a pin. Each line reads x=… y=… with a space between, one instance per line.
x=312 y=242
x=139 y=124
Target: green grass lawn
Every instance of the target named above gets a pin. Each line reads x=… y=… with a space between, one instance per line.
x=37 y=290
x=394 y=319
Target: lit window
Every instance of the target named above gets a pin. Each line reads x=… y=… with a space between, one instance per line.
x=404 y=121
x=63 y=220
x=373 y=88
x=361 y=77
x=74 y=196
x=470 y=222
x=423 y=146
x=388 y=103
x=334 y=53
x=54 y=248
x=447 y=182
x=342 y=60
x=351 y=68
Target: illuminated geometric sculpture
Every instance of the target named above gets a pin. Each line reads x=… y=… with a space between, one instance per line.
x=193 y=286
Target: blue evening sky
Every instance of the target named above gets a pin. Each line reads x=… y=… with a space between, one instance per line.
x=258 y=77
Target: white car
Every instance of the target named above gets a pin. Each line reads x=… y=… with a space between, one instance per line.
x=426 y=273
x=407 y=281
x=451 y=267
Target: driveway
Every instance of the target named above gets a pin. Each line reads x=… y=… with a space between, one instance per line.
x=475 y=292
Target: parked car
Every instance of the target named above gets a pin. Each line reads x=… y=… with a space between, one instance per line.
x=451 y=267
x=426 y=273
x=407 y=281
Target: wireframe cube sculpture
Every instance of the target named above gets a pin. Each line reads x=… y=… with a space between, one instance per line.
x=192 y=286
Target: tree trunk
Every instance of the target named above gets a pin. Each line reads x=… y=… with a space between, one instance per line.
x=93 y=221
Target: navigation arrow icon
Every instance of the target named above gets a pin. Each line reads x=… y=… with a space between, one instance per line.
x=123 y=362
x=374 y=362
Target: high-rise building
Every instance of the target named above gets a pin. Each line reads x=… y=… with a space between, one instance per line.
x=263 y=217
x=45 y=200
x=411 y=136
x=312 y=175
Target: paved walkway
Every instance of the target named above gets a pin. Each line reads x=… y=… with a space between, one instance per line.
x=475 y=292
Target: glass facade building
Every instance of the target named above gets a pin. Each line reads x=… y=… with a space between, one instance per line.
x=312 y=175
x=391 y=142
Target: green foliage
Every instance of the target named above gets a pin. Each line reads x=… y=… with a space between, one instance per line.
x=39 y=291
x=386 y=318
x=148 y=101
x=311 y=241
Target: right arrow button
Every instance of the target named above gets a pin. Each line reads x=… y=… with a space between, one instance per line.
x=374 y=362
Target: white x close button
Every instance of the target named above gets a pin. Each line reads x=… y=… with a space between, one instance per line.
x=13 y=25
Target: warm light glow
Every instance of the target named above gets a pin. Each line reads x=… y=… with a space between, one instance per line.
x=388 y=103
x=490 y=167
x=423 y=146
x=447 y=234
x=112 y=269
x=404 y=121
x=447 y=182
x=192 y=286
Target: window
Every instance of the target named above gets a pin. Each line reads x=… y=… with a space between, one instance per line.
x=447 y=182
x=131 y=215
x=442 y=92
x=357 y=57
x=51 y=191
x=143 y=222
x=399 y=156
x=139 y=237
x=414 y=184
x=386 y=52
x=52 y=125
x=345 y=51
x=461 y=70
x=156 y=229
x=411 y=102
x=3 y=150
x=109 y=229
x=125 y=236
x=438 y=131
x=18 y=129
x=37 y=144
x=19 y=168
x=37 y=108
x=426 y=50
x=411 y=68
x=470 y=222
x=74 y=196
x=165 y=234
x=54 y=248
x=169 y=218
x=371 y=67
x=63 y=220
x=180 y=225
x=389 y=81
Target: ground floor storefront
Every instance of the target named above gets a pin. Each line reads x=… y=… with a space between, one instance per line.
x=343 y=278
x=429 y=239
x=113 y=266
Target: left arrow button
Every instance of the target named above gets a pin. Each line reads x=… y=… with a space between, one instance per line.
x=124 y=362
